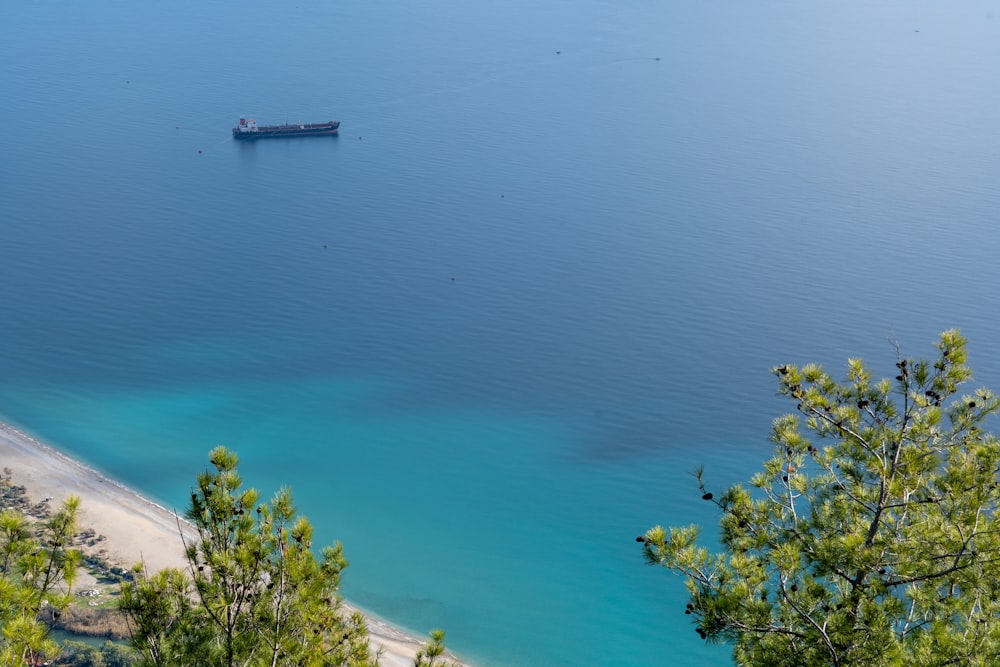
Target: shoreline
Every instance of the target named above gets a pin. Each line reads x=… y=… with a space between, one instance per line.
x=137 y=528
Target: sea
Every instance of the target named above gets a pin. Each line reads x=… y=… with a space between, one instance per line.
x=487 y=333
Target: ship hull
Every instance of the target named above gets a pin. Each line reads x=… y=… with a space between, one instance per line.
x=282 y=131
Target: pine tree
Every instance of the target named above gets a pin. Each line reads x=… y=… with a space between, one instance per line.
x=876 y=543
x=255 y=594
x=38 y=568
x=432 y=654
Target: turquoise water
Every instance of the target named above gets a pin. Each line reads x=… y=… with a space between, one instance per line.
x=487 y=332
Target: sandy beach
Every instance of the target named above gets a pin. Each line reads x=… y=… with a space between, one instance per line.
x=136 y=528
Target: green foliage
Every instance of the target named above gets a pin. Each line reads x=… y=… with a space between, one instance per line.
x=255 y=593
x=432 y=654
x=165 y=624
x=877 y=544
x=118 y=655
x=37 y=568
x=81 y=654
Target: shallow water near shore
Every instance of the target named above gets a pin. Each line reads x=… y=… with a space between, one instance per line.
x=487 y=332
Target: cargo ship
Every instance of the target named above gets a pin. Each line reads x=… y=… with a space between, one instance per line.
x=248 y=129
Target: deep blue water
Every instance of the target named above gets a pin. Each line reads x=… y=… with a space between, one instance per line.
x=487 y=332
